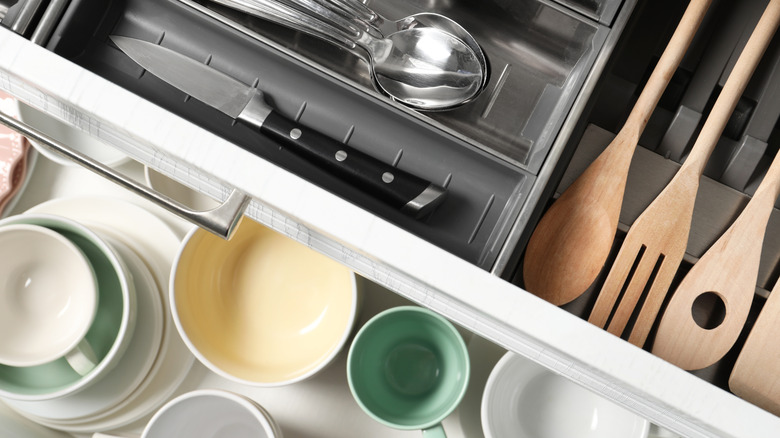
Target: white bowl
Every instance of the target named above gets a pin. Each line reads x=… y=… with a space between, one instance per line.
x=209 y=413
x=522 y=399
x=48 y=295
x=125 y=378
x=116 y=315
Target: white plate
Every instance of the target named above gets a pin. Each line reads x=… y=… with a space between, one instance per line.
x=132 y=368
x=157 y=244
x=68 y=135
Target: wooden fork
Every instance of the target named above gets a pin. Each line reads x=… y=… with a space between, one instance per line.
x=656 y=242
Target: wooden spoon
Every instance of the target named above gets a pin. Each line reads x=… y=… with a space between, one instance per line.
x=756 y=375
x=730 y=270
x=572 y=241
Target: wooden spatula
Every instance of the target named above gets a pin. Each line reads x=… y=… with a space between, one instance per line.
x=657 y=240
x=571 y=243
x=756 y=375
x=729 y=269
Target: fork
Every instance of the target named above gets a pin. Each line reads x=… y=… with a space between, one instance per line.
x=655 y=244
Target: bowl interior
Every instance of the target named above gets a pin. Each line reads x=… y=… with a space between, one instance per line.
x=527 y=400
x=53 y=377
x=408 y=368
x=261 y=308
x=48 y=295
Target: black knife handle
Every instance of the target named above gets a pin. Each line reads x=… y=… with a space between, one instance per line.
x=400 y=189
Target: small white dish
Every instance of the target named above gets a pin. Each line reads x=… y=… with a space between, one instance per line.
x=48 y=296
x=123 y=380
x=522 y=399
x=209 y=413
x=73 y=137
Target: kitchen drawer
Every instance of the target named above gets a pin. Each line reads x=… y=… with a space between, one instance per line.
x=369 y=241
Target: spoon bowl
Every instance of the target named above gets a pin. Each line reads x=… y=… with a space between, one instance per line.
x=433 y=21
x=427 y=67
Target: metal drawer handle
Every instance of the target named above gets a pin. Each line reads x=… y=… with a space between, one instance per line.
x=221 y=220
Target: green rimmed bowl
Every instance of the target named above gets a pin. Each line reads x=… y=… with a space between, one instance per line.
x=109 y=334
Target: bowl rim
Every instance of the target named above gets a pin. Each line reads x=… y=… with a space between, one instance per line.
x=339 y=346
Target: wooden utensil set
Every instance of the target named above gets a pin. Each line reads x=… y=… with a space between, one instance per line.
x=570 y=245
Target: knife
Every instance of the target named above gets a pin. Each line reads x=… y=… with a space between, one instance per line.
x=409 y=193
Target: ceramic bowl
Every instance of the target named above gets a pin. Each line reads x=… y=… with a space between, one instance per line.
x=211 y=414
x=260 y=308
x=522 y=399
x=48 y=295
x=109 y=334
x=129 y=373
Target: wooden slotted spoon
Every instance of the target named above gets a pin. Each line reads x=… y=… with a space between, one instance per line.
x=729 y=269
x=570 y=245
x=658 y=238
x=756 y=375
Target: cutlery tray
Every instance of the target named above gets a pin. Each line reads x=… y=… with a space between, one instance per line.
x=735 y=169
x=530 y=92
x=473 y=218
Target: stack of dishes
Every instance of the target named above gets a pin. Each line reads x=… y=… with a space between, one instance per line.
x=15 y=157
x=140 y=360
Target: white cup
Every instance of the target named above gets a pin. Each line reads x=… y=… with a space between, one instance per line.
x=48 y=299
x=522 y=399
x=209 y=413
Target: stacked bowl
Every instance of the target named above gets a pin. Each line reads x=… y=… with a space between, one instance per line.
x=69 y=310
x=123 y=359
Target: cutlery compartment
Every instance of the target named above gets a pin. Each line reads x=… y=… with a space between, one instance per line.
x=487 y=152
x=484 y=192
x=735 y=169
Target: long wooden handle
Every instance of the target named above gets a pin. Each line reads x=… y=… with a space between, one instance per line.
x=732 y=90
x=756 y=375
x=667 y=65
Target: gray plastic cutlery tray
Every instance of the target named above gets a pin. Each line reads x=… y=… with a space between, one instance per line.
x=738 y=164
x=329 y=89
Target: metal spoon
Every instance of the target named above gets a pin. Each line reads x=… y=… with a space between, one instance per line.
x=385 y=26
x=424 y=68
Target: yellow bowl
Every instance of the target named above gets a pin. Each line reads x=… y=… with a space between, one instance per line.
x=260 y=308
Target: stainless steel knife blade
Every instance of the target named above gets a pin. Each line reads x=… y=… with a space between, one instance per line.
x=400 y=189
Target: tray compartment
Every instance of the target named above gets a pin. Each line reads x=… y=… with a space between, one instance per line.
x=484 y=192
x=539 y=54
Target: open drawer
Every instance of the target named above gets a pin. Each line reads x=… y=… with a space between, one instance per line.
x=409 y=258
